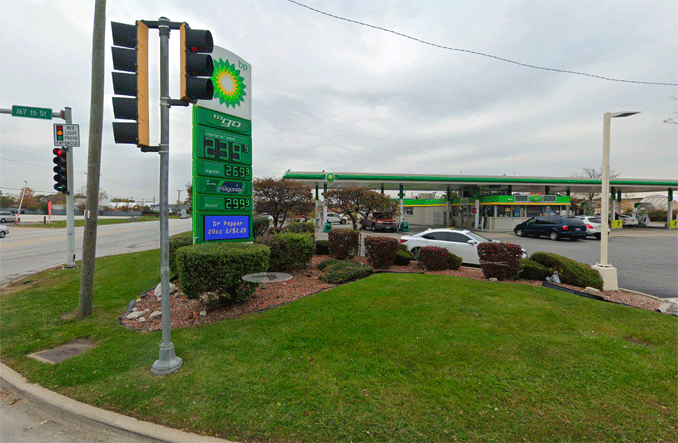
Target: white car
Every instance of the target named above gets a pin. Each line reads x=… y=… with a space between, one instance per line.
x=268 y=216
x=6 y=216
x=335 y=218
x=593 y=225
x=4 y=230
x=462 y=243
x=627 y=220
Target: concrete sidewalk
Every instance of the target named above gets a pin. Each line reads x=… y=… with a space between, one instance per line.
x=114 y=427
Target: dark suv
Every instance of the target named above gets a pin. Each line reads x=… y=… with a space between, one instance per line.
x=553 y=226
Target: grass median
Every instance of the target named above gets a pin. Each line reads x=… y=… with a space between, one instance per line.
x=393 y=357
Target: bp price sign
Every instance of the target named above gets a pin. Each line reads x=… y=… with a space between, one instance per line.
x=222 y=154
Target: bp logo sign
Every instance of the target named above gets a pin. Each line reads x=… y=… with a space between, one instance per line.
x=229 y=86
x=329 y=177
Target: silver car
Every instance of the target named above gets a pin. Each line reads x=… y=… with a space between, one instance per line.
x=6 y=216
x=4 y=230
x=462 y=243
x=593 y=225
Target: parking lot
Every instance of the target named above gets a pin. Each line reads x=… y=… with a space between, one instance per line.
x=646 y=258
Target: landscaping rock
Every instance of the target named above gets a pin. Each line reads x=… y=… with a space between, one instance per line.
x=136 y=314
x=158 y=290
x=493 y=279
x=155 y=314
x=669 y=306
x=592 y=291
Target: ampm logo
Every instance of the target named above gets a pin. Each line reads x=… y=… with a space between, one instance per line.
x=229 y=84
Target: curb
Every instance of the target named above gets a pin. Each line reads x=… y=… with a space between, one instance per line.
x=71 y=410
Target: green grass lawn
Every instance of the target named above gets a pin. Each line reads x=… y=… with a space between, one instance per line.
x=100 y=221
x=394 y=357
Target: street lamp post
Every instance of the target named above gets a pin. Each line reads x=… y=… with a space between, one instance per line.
x=607 y=272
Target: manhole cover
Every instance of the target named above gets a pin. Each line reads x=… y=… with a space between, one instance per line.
x=64 y=352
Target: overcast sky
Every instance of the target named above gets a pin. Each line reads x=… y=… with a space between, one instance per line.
x=329 y=94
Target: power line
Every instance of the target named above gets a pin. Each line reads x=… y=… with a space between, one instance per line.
x=480 y=53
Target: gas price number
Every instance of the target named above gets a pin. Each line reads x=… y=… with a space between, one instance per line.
x=237 y=203
x=237 y=171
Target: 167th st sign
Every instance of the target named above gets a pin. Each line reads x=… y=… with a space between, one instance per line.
x=66 y=135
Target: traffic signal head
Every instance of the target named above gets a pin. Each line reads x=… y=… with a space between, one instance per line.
x=61 y=170
x=59 y=132
x=196 y=64
x=130 y=55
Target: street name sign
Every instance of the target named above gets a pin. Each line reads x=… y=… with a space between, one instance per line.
x=26 y=111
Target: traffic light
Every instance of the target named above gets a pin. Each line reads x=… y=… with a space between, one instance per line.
x=60 y=133
x=196 y=64
x=61 y=170
x=130 y=55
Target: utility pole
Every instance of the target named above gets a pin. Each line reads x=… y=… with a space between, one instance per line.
x=23 y=192
x=96 y=116
x=178 y=197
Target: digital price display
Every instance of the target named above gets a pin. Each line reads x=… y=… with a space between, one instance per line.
x=227 y=227
x=228 y=204
x=225 y=170
x=213 y=144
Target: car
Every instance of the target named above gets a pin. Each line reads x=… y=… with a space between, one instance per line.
x=461 y=242
x=593 y=225
x=268 y=216
x=627 y=220
x=553 y=226
x=382 y=221
x=4 y=230
x=336 y=218
x=6 y=216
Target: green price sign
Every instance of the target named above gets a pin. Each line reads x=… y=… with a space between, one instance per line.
x=223 y=170
x=25 y=111
x=213 y=144
x=224 y=204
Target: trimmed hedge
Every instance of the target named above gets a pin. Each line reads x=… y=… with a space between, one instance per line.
x=532 y=270
x=403 y=257
x=322 y=247
x=219 y=267
x=381 y=251
x=300 y=228
x=570 y=272
x=333 y=261
x=289 y=251
x=260 y=226
x=176 y=242
x=345 y=271
x=433 y=258
x=500 y=260
x=343 y=243
x=453 y=261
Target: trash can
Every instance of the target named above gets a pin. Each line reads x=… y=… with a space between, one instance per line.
x=328 y=226
x=405 y=227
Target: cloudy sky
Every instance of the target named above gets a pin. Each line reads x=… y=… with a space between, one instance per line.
x=334 y=95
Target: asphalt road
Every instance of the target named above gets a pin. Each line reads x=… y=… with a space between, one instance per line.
x=27 y=250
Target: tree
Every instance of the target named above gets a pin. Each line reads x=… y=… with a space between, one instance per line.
x=189 y=199
x=279 y=198
x=591 y=172
x=7 y=201
x=357 y=203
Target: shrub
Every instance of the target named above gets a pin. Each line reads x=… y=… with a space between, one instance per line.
x=500 y=260
x=343 y=243
x=176 y=242
x=570 y=272
x=403 y=257
x=300 y=228
x=381 y=251
x=289 y=251
x=274 y=230
x=260 y=226
x=532 y=270
x=433 y=258
x=322 y=247
x=345 y=271
x=333 y=261
x=219 y=267
x=453 y=261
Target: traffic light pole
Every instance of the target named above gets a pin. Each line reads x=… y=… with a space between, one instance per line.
x=167 y=362
x=70 y=199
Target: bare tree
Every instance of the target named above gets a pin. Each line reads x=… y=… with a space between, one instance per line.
x=591 y=172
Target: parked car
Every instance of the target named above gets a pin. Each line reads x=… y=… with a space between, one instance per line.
x=553 y=226
x=381 y=221
x=268 y=216
x=336 y=218
x=6 y=216
x=4 y=230
x=593 y=225
x=462 y=243
x=627 y=220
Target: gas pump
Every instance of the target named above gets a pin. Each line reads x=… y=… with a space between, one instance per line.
x=642 y=213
